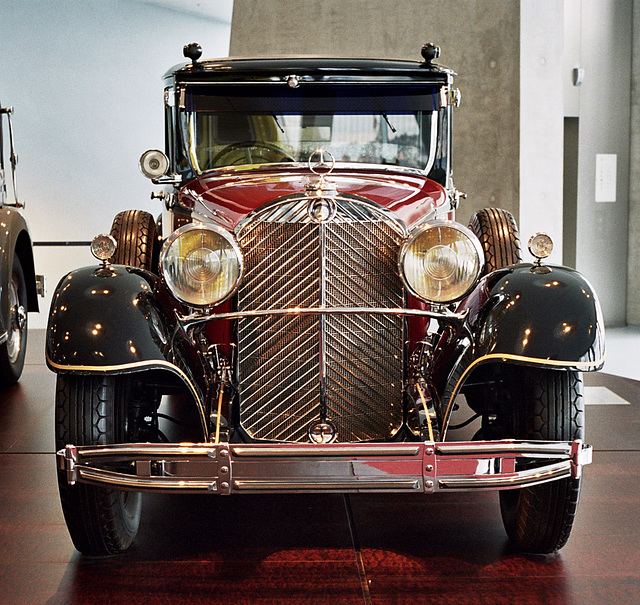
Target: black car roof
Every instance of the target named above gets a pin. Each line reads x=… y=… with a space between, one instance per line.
x=323 y=69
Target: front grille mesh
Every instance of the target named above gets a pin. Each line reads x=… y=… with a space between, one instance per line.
x=291 y=261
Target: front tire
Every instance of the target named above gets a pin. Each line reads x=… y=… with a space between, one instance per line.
x=546 y=405
x=13 y=350
x=91 y=410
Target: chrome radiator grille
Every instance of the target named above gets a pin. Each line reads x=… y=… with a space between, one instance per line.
x=299 y=370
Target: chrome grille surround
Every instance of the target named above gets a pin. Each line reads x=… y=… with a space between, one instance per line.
x=295 y=371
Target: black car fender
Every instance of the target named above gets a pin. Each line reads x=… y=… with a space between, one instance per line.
x=544 y=316
x=115 y=320
x=547 y=316
x=15 y=241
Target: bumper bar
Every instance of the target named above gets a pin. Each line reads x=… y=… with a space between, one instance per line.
x=389 y=467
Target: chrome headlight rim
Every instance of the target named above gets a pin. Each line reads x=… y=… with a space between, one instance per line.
x=228 y=237
x=416 y=233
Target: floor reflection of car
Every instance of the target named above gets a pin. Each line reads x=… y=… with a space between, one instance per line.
x=19 y=285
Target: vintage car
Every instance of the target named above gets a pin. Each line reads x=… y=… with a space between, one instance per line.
x=19 y=285
x=309 y=299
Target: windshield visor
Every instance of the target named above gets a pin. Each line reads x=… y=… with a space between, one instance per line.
x=224 y=125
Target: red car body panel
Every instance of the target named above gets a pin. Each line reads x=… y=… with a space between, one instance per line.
x=228 y=196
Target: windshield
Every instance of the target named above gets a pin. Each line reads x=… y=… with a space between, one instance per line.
x=228 y=125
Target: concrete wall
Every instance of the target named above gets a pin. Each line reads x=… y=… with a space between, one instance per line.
x=85 y=81
x=633 y=296
x=541 y=122
x=480 y=40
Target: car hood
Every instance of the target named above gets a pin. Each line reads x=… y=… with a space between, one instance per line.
x=228 y=196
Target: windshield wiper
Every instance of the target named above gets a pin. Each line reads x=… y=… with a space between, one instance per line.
x=389 y=124
x=275 y=119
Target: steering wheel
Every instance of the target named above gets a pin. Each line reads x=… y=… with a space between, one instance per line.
x=251 y=152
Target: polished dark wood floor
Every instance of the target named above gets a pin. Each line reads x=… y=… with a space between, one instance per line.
x=316 y=549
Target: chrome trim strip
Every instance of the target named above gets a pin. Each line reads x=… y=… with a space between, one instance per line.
x=585 y=366
x=4 y=336
x=504 y=449
x=550 y=362
x=278 y=167
x=325 y=451
x=123 y=451
x=322 y=328
x=189 y=321
x=530 y=477
x=332 y=79
x=322 y=485
x=134 y=483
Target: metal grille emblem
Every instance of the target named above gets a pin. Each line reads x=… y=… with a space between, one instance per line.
x=322 y=209
x=322 y=432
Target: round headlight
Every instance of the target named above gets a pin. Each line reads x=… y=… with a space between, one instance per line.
x=202 y=265
x=441 y=261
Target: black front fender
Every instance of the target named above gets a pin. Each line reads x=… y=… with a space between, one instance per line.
x=540 y=315
x=105 y=318
x=117 y=320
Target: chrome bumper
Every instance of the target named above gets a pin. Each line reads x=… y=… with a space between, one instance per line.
x=257 y=468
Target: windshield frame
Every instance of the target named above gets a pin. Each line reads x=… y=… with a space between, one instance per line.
x=427 y=97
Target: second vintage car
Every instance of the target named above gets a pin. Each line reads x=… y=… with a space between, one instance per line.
x=19 y=284
x=309 y=297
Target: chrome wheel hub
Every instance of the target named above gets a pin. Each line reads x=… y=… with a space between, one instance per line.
x=17 y=322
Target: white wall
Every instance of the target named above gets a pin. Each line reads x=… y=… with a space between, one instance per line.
x=604 y=128
x=555 y=37
x=85 y=78
x=541 y=122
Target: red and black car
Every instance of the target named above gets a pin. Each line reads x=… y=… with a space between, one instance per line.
x=309 y=299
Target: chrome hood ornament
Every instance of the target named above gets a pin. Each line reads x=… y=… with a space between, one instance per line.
x=320 y=166
x=322 y=206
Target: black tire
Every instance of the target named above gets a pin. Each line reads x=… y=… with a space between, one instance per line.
x=91 y=410
x=137 y=240
x=13 y=350
x=498 y=234
x=547 y=405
